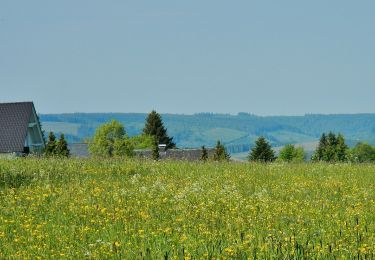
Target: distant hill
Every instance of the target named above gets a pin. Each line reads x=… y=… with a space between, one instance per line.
x=237 y=132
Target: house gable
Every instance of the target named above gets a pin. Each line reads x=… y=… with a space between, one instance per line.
x=19 y=128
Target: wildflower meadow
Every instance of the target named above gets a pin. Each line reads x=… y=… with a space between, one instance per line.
x=137 y=209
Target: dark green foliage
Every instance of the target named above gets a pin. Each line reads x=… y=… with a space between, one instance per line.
x=331 y=148
x=110 y=139
x=290 y=153
x=341 y=149
x=262 y=151
x=320 y=150
x=221 y=153
x=62 y=147
x=155 y=151
x=154 y=126
x=204 y=154
x=51 y=145
x=362 y=153
x=56 y=148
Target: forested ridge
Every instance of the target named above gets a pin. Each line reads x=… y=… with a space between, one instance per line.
x=237 y=132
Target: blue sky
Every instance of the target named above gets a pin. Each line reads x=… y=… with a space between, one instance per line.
x=262 y=57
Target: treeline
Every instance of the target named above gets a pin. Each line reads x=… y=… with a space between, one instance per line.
x=111 y=140
x=189 y=129
x=331 y=148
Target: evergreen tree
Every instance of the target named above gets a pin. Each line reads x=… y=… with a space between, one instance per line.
x=62 y=147
x=262 y=151
x=341 y=149
x=330 y=154
x=331 y=148
x=320 y=150
x=154 y=126
x=221 y=153
x=204 y=154
x=155 y=151
x=50 y=149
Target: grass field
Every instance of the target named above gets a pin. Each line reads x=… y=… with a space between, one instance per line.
x=152 y=210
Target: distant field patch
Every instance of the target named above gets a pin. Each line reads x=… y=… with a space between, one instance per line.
x=288 y=137
x=240 y=156
x=61 y=127
x=223 y=134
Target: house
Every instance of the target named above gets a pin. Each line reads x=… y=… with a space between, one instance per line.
x=20 y=130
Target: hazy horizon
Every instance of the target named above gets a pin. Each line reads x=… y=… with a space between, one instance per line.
x=214 y=113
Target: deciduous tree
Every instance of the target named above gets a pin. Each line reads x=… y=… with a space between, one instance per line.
x=290 y=153
x=109 y=140
x=362 y=153
x=142 y=141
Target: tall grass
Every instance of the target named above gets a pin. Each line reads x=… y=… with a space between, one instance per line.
x=143 y=209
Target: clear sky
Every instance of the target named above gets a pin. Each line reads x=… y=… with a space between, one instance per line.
x=262 y=57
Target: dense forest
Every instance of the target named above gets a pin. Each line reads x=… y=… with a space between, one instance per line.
x=237 y=132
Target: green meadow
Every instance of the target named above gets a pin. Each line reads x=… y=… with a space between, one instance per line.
x=136 y=209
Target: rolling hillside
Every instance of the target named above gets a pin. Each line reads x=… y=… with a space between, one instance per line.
x=237 y=132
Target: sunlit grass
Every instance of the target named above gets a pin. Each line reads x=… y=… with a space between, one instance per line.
x=140 y=209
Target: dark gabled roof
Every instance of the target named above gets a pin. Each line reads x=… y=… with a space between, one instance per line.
x=14 y=120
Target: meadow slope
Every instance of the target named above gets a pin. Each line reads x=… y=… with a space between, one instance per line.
x=142 y=209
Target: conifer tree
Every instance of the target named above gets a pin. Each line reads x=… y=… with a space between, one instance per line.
x=341 y=149
x=221 y=153
x=331 y=148
x=204 y=154
x=154 y=126
x=50 y=149
x=262 y=152
x=330 y=154
x=320 y=150
x=155 y=151
x=62 y=147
